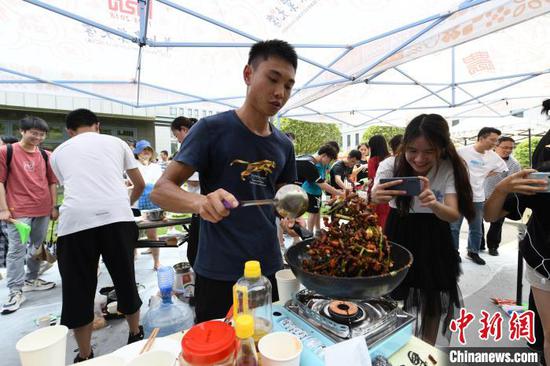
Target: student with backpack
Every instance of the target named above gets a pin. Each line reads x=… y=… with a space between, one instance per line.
x=28 y=194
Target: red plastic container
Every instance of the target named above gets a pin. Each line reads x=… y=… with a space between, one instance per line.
x=209 y=343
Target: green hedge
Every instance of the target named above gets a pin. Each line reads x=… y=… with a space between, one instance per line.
x=309 y=135
x=387 y=131
x=521 y=153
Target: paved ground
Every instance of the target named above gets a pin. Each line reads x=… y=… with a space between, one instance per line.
x=478 y=285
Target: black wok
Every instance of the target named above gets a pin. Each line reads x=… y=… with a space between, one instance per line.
x=358 y=288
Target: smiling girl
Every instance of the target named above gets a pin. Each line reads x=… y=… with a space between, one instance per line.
x=421 y=224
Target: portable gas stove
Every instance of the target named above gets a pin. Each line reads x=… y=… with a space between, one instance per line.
x=320 y=322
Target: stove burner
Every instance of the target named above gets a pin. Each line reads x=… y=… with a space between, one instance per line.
x=344 y=312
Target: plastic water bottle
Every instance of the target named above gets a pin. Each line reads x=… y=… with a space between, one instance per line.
x=252 y=295
x=170 y=318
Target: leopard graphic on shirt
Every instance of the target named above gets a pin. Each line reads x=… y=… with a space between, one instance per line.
x=256 y=172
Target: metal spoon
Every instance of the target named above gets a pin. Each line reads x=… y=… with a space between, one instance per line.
x=290 y=201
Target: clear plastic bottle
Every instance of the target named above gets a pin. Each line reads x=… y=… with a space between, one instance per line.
x=252 y=295
x=167 y=316
x=246 y=350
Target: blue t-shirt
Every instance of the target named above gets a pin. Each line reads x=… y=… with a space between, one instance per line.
x=312 y=187
x=230 y=156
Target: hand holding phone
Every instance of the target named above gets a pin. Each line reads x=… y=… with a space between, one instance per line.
x=410 y=185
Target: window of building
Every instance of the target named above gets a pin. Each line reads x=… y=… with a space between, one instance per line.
x=356 y=139
x=210 y=113
x=348 y=144
x=173 y=111
x=196 y=113
x=182 y=112
x=189 y=112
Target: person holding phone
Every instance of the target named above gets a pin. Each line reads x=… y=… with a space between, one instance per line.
x=511 y=197
x=422 y=223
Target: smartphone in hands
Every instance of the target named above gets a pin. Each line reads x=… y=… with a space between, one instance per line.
x=411 y=185
x=541 y=175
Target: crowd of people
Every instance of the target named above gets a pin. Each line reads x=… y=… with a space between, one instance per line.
x=239 y=155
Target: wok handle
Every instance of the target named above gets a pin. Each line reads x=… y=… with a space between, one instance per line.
x=302 y=232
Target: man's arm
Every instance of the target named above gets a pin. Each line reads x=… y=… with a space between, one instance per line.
x=53 y=195
x=168 y=195
x=5 y=212
x=339 y=181
x=138 y=183
x=329 y=189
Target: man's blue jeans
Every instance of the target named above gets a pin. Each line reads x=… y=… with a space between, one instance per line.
x=475 y=234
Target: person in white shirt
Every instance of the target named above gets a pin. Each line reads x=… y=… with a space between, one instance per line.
x=482 y=162
x=163 y=160
x=151 y=172
x=95 y=220
x=504 y=149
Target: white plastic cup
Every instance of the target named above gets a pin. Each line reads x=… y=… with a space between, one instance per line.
x=154 y=358
x=280 y=349
x=44 y=347
x=287 y=284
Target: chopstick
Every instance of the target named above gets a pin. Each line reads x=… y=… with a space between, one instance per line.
x=150 y=341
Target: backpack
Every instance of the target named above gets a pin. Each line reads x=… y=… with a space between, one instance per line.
x=306 y=170
x=9 y=156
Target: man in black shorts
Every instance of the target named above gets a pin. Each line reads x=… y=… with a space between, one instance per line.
x=240 y=156
x=95 y=219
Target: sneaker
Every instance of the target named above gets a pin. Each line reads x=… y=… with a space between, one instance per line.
x=44 y=266
x=78 y=359
x=135 y=337
x=37 y=285
x=493 y=251
x=14 y=302
x=476 y=258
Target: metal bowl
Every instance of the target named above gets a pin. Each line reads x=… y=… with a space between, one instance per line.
x=153 y=215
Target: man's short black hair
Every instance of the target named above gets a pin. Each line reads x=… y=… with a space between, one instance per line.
x=9 y=139
x=354 y=154
x=486 y=131
x=164 y=152
x=80 y=118
x=335 y=145
x=181 y=121
x=33 y=122
x=328 y=151
x=261 y=51
x=502 y=139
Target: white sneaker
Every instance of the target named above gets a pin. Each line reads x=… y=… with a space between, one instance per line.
x=14 y=302
x=44 y=266
x=37 y=285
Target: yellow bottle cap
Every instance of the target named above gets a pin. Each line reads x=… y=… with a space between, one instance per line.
x=252 y=269
x=244 y=326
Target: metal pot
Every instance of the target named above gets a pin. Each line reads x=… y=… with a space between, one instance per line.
x=154 y=215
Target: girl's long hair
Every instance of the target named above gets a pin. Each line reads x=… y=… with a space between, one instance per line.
x=378 y=147
x=435 y=130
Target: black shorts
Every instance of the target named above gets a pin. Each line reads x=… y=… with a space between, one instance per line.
x=213 y=298
x=78 y=258
x=314 y=203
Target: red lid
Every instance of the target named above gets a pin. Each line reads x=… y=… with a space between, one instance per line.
x=208 y=342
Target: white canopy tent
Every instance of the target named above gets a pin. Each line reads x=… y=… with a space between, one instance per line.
x=361 y=62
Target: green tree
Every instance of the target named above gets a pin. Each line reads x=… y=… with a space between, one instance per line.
x=521 y=153
x=387 y=131
x=309 y=135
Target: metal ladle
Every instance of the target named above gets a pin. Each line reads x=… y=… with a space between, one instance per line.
x=290 y=201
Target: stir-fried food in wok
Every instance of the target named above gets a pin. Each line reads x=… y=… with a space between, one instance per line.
x=352 y=245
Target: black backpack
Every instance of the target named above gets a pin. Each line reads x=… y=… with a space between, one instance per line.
x=9 y=156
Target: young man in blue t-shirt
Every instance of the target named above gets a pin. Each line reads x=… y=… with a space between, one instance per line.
x=315 y=185
x=240 y=156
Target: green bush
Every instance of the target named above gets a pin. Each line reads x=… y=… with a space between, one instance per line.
x=387 y=131
x=521 y=153
x=309 y=135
